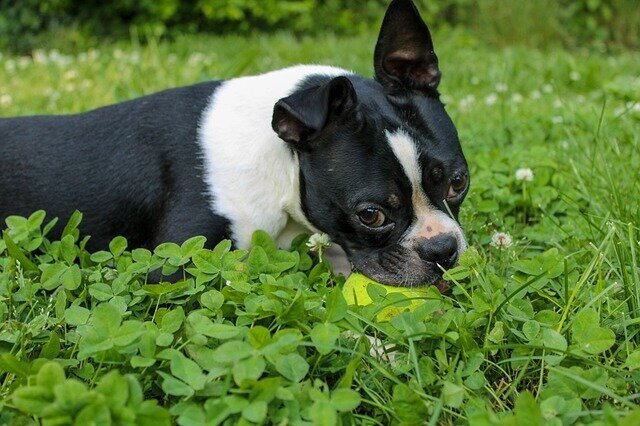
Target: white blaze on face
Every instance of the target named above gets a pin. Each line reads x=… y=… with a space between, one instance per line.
x=429 y=221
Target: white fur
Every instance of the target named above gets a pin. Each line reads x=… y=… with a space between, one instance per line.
x=252 y=176
x=429 y=220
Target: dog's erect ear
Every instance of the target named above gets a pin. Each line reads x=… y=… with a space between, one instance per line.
x=404 y=58
x=300 y=117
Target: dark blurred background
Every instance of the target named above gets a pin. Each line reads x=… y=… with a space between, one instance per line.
x=598 y=24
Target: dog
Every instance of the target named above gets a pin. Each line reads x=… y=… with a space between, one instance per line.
x=375 y=163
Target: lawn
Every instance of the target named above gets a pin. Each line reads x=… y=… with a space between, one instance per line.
x=541 y=325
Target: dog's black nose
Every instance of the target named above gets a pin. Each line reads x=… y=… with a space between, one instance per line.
x=441 y=249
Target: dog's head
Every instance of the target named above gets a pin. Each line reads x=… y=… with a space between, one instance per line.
x=381 y=167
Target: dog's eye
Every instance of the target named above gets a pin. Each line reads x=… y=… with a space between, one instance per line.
x=371 y=217
x=458 y=185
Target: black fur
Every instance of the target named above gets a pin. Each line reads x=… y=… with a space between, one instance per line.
x=133 y=169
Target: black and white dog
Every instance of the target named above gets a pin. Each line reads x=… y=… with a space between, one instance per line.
x=374 y=163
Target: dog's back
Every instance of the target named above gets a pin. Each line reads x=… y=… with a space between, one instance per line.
x=135 y=158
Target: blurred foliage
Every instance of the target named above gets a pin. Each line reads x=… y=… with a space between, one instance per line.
x=604 y=23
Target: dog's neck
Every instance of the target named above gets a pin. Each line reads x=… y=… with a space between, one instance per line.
x=252 y=175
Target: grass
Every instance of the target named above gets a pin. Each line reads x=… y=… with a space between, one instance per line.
x=544 y=330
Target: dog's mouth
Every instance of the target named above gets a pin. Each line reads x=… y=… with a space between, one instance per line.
x=400 y=267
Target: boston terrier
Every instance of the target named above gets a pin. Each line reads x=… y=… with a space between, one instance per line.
x=374 y=163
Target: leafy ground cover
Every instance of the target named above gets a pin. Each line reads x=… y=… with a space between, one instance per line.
x=540 y=327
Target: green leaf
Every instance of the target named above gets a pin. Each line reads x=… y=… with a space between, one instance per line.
x=527 y=411
x=32 y=399
x=336 y=306
x=50 y=375
x=150 y=414
x=258 y=261
x=497 y=333
x=212 y=300
x=204 y=325
x=52 y=275
x=117 y=246
x=161 y=289
x=128 y=332
x=76 y=315
x=221 y=249
x=172 y=320
x=192 y=245
x=15 y=252
x=188 y=371
x=259 y=336
x=94 y=414
x=172 y=386
x=633 y=360
x=324 y=336
x=292 y=366
x=232 y=351
x=164 y=339
x=255 y=412
x=101 y=257
x=208 y=262
x=264 y=241
x=106 y=316
x=588 y=335
x=71 y=227
x=322 y=413
x=51 y=349
x=345 y=400
x=115 y=389
x=531 y=329
x=452 y=394
x=101 y=291
x=248 y=369
x=71 y=277
x=550 y=338
x=168 y=250
x=35 y=220
x=141 y=362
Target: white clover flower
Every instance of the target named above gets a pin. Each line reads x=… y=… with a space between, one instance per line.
x=565 y=144
x=10 y=66
x=547 y=88
x=517 y=98
x=5 y=100
x=501 y=87
x=196 y=58
x=475 y=80
x=536 y=94
x=318 y=242
x=70 y=75
x=524 y=174
x=557 y=103
x=574 y=76
x=134 y=57
x=501 y=240
x=557 y=119
x=491 y=99
x=39 y=57
x=466 y=102
x=23 y=62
